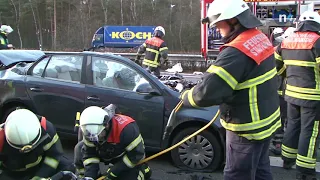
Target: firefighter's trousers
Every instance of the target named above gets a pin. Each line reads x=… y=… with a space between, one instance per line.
x=140 y=172
x=300 y=141
x=246 y=160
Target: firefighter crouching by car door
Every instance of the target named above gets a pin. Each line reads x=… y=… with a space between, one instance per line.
x=30 y=148
x=276 y=141
x=154 y=48
x=110 y=138
x=243 y=82
x=300 y=55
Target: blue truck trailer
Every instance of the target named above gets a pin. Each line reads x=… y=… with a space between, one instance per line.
x=121 y=36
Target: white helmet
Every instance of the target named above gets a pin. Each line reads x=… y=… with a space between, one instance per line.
x=310 y=16
x=22 y=129
x=278 y=31
x=6 y=29
x=288 y=32
x=220 y=10
x=161 y=29
x=93 y=121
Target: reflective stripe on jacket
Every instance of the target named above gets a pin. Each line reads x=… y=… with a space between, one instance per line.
x=243 y=82
x=299 y=58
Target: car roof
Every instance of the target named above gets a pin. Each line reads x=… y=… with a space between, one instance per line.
x=8 y=57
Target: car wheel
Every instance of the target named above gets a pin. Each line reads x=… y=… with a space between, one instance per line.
x=200 y=153
x=8 y=111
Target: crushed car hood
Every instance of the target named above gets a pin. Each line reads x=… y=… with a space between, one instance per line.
x=9 y=57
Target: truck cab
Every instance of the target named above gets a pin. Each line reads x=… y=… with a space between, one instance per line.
x=272 y=14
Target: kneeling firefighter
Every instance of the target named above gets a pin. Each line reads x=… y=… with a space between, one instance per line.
x=30 y=148
x=299 y=56
x=110 y=138
x=154 y=48
x=243 y=82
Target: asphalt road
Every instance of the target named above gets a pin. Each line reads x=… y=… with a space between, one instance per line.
x=162 y=168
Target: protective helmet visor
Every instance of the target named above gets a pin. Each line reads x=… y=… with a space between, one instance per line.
x=32 y=145
x=91 y=132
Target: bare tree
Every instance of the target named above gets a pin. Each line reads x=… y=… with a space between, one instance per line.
x=35 y=23
x=104 y=4
x=17 y=17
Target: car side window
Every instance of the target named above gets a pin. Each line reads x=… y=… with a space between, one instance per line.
x=65 y=67
x=111 y=74
x=38 y=68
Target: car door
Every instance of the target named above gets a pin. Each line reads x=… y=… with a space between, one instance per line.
x=146 y=109
x=55 y=89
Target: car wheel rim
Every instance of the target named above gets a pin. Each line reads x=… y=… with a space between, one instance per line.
x=196 y=153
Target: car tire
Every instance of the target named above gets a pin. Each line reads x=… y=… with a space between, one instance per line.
x=204 y=145
x=8 y=111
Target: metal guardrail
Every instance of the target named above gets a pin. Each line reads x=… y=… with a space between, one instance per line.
x=172 y=57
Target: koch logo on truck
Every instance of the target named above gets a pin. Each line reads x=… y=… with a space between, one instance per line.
x=122 y=36
x=129 y=35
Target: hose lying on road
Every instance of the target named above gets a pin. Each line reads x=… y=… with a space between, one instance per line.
x=175 y=110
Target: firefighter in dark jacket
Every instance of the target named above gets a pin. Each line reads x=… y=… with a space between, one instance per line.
x=299 y=55
x=110 y=138
x=276 y=141
x=4 y=31
x=30 y=148
x=243 y=82
x=154 y=48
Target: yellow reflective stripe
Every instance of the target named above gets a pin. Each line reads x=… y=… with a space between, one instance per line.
x=257 y=80
x=141 y=176
x=313 y=138
x=184 y=93
x=51 y=162
x=252 y=125
x=38 y=178
x=164 y=48
x=277 y=56
x=302 y=90
x=81 y=171
x=150 y=63
x=280 y=92
x=134 y=143
x=147 y=170
x=316 y=76
x=282 y=69
x=127 y=161
x=306 y=159
x=288 y=155
x=289 y=150
x=88 y=143
x=53 y=141
x=2 y=41
x=31 y=164
x=305 y=165
x=263 y=134
x=302 y=96
x=318 y=59
x=111 y=173
x=90 y=161
x=190 y=98
x=300 y=63
x=223 y=74
x=253 y=103
x=154 y=51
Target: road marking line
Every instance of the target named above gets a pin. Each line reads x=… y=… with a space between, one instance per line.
x=277 y=162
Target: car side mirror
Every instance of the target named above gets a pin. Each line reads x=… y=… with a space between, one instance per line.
x=145 y=88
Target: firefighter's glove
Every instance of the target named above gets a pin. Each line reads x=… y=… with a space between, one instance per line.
x=110 y=175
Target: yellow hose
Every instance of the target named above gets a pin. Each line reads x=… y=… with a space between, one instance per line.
x=179 y=143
